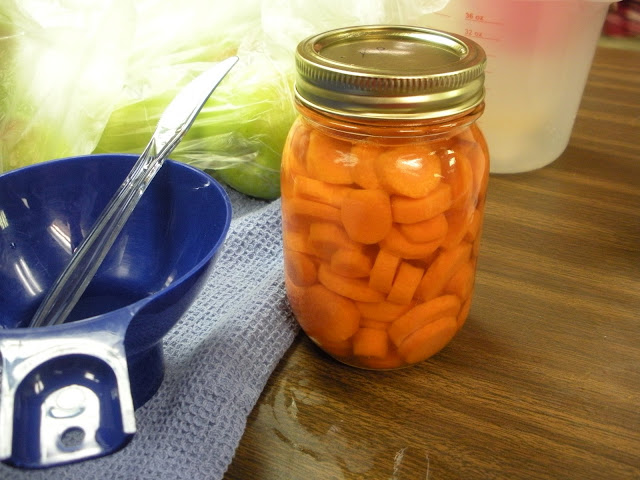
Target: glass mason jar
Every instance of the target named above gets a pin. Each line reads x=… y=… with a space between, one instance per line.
x=383 y=177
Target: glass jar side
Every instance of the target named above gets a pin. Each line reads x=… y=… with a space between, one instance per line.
x=381 y=229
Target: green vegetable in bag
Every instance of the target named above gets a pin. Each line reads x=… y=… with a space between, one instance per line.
x=237 y=137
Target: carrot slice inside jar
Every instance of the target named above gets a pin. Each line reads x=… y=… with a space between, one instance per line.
x=410 y=170
x=366 y=215
x=329 y=159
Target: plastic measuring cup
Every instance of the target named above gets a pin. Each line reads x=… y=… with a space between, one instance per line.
x=539 y=55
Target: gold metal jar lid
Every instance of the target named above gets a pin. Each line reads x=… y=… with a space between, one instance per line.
x=390 y=72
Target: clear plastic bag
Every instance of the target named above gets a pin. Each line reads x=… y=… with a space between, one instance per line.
x=99 y=74
x=58 y=75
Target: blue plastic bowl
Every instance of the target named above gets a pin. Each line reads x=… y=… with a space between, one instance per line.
x=150 y=277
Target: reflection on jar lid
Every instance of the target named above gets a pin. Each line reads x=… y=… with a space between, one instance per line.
x=390 y=72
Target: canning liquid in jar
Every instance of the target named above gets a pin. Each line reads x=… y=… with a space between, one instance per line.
x=384 y=177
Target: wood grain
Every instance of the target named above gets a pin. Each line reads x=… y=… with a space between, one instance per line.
x=543 y=382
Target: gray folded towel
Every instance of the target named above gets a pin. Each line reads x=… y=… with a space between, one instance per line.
x=218 y=358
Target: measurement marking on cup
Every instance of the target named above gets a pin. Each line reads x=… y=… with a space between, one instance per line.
x=469 y=32
x=473 y=17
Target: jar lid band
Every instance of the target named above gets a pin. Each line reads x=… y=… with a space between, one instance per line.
x=394 y=72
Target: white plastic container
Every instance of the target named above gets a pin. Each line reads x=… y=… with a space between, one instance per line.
x=539 y=55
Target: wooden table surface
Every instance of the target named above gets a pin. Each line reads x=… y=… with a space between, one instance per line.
x=543 y=381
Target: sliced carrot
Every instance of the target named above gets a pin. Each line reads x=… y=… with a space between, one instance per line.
x=326 y=238
x=326 y=316
x=410 y=210
x=353 y=288
x=350 y=262
x=427 y=230
x=384 y=271
x=405 y=284
x=457 y=172
x=300 y=268
x=377 y=324
x=329 y=158
x=429 y=340
x=396 y=243
x=421 y=315
x=366 y=215
x=383 y=311
x=441 y=270
x=370 y=342
x=461 y=283
x=308 y=208
x=409 y=170
x=365 y=156
x=297 y=242
x=319 y=191
x=459 y=222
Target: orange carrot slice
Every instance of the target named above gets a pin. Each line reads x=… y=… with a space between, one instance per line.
x=421 y=315
x=383 y=311
x=410 y=170
x=459 y=222
x=429 y=340
x=461 y=283
x=325 y=238
x=297 y=242
x=366 y=215
x=396 y=243
x=409 y=210
x=384 y=271
x=308 y=208
x=370 y=342
x=326 y=316
x=350 y=262
x=441 y=270
x=329 y=158
x=319 y=191
x=300 y=268
x=322 y=192
x=365 y=156
x=353 y=288
x=427 y=230
x=405 y=284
